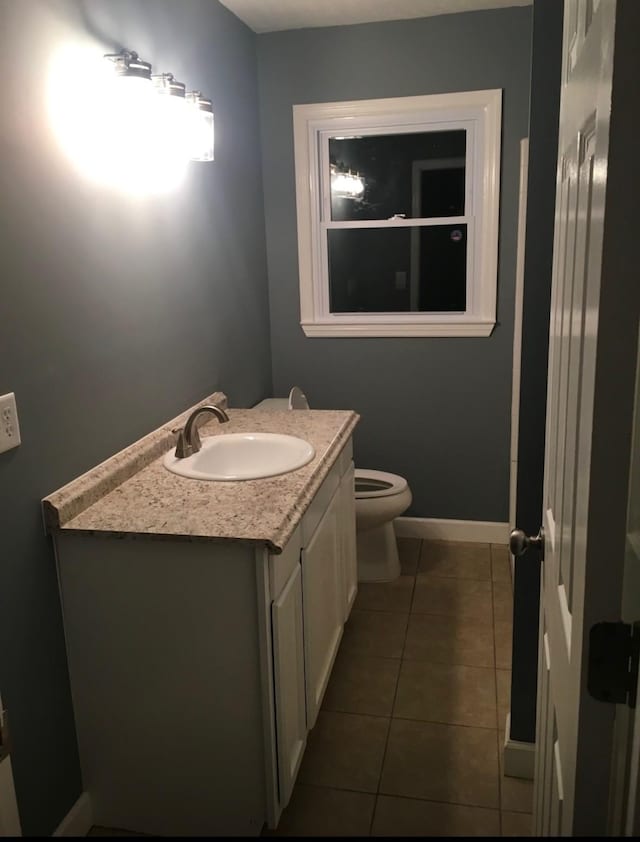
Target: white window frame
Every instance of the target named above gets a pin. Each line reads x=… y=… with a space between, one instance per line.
x=479 y=113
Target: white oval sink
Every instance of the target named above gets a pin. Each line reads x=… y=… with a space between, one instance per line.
x=239 y=456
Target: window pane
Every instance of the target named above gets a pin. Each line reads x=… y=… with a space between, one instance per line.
x=410 y=175
x=397 y=270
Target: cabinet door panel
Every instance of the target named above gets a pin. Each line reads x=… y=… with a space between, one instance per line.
x=323 y=606
x=348 y=557
x=288 y=657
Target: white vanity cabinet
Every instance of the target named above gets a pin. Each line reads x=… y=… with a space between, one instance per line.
x=197 y=667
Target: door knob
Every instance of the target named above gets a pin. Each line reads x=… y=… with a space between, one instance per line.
x=519 y=543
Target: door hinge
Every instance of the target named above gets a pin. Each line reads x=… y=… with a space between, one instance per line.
x=613 y=662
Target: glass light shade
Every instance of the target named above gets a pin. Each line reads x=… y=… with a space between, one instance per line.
x=201 y=131
x=172 y=118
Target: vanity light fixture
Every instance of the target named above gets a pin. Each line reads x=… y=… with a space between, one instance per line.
x=186 y=117
x=201 y=133
x=346 y=185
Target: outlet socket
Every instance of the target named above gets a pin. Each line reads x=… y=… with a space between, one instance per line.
x=9 y=427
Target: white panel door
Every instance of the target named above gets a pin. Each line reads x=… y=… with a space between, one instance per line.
x=587 y=448
x=323 y=607
x=288 y=676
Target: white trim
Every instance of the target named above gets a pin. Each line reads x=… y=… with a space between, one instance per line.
x=517 y=327
x=369 y=328
x=519 y=757
x=444 y=529
x=79 y=819
x=480 y=111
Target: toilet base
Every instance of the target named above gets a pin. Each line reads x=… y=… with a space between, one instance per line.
x=377 y=549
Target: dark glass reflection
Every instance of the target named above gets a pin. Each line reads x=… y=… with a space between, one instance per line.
x=413 y=175
x=370 y=269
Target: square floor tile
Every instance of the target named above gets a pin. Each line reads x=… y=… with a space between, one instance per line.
x=452 y=597
x=409 y=553
x=345 y=751
x=451 y=693
x=448 y=763
x=379 y=633
x=500 y=563
x=413 y=817
x=318 y=811
x=449 y=640
x=517 y=824
x=362 y=684
x=385 y=596
x=503 y=633
x=502 y=602
x=456 y=559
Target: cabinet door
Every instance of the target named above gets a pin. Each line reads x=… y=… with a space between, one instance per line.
x=288 y=674
x=322 y=589
x=347 y=538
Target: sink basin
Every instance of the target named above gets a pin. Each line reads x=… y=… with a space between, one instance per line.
x=240 y=456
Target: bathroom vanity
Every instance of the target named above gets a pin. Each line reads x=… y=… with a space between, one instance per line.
x=202 y=620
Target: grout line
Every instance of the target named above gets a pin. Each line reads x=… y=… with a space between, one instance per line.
x=448 y=724
x=412 y=798
x=393 y=703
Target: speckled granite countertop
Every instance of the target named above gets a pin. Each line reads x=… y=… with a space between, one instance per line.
x=134 y=494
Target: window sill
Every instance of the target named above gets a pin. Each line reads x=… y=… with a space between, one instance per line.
x=351 y=329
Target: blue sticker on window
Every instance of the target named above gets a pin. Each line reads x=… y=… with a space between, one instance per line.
x=456 y=235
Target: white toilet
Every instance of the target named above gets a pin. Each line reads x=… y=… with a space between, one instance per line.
x=380 y=497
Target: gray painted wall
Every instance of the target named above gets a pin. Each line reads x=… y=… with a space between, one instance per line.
x=436 y=411
x=114 y=316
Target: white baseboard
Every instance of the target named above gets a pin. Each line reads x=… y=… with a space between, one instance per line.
x=519 y=757
x=79 y=819
x=482 y=531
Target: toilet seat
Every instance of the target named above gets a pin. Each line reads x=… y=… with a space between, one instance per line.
x=369 y=484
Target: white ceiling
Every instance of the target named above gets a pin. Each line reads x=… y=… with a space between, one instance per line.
x=272 y=15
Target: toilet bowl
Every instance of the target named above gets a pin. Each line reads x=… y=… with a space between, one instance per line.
x=380 y=497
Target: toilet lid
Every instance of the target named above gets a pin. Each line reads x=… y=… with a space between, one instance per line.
x=377 y=484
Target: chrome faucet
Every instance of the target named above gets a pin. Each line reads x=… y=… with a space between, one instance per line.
x=189 y=438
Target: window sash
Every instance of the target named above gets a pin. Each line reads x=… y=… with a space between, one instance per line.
x=322 y=290
x=426 y=125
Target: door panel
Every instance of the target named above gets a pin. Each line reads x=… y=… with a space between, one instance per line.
x=288 y=666
x=323 y=606
x=348 y=556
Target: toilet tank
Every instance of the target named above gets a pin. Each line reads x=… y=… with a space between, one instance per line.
x=296 y=400
x=273 y=403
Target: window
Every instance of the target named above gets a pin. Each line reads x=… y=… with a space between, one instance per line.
x=397 y=204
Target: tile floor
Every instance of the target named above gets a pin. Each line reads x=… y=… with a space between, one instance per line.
x=409 y=737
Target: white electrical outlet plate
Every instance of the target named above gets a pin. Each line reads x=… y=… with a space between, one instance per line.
x=9 y=428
